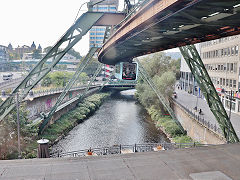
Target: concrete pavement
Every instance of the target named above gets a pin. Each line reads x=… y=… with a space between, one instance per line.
x=190 y=101
x=220 y=162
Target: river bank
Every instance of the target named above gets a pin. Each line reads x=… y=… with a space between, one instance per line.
x=68 y=121
x=120 y=120
x=167 y=125
x=61 y=127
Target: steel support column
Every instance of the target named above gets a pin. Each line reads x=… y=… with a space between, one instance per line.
x=160 y=97
x=80 y=69
x=200 y=73
x=74 y=34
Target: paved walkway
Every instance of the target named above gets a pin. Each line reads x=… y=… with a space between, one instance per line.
x=220 y=162
x=190 y=101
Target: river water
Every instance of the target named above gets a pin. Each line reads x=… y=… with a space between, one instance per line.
x=120 y=120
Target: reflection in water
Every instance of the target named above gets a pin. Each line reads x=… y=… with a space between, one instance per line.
x=120 y=120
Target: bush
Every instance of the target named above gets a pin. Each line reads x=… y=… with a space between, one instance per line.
x=173 y=129
x=183 y=139
x=67 y=121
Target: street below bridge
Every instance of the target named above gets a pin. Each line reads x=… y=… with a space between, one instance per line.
x=189 y=101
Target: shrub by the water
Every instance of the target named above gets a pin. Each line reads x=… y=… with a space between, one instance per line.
x=67 y=121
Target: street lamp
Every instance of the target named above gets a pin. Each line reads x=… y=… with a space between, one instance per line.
x=30 y=97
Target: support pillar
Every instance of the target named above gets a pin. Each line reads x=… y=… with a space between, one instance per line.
x=200 y=73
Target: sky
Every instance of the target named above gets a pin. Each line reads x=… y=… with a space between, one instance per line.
x=41 y=21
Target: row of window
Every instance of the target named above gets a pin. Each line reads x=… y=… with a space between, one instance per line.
x=230 y=51
x=92 y=33
x=232 y=83
x=95 y=45
x=98 y=42
x=104 y=8
x=97 y=29
x=96 y=37
x=228 y=67
x=218 y=41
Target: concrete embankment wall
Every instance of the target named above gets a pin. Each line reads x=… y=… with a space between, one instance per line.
x=196 y=130
x=44 y=103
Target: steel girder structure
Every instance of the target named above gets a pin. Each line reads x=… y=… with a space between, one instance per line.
x=200 y=73
x=76 y=75
x=160 y=97
x=75 y=33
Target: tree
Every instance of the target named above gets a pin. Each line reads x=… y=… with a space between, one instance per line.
x=71 y=52
x=161 y=70
x=36 y=54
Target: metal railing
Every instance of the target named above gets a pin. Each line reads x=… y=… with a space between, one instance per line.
x=200 y=119
x=38 y=93
x=125 y=149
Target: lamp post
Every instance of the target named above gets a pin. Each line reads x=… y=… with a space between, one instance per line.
x=230 y=110
x=29 y=97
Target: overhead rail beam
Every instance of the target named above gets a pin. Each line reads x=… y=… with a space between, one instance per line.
x=160 y=97
x=200 y=73
x=167 y=24
x=74 y=34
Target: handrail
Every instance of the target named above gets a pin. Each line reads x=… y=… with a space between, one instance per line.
x=201 y=120
x=122 y=149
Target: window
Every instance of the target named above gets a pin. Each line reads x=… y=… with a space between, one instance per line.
x=228 y=51
x=223 y=82
x=236 y=50
x=99 y=37
x=220 y=81
x=235 y=67
x=231 y=67
x=92 y=42
x=234 y=83
x=92 y=37
x=92 y=33
x=99 y=33
x=230 y=84
x=227 y=80
x=232 y=51
x=222 y=52
x=228 y=67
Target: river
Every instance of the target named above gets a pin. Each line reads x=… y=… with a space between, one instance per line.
x=120 y=120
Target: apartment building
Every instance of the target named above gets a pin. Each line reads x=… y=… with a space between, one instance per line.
x=97 y=33
x=222 y=61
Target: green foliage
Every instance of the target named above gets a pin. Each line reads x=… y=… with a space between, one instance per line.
x=36 y=54
x=71 y=52
x=182 y=139
x=172 y=128
x=161 y=69
x=8 y=134
x=61 y=78
x=66 y=122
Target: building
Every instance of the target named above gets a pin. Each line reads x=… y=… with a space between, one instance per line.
x=4 y=57
x=3 y=54
x=222 y=61
x=187 y=80
x=21 y=50
x=96 y=35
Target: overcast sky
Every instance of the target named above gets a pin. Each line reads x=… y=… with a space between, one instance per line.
x=41 y=21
